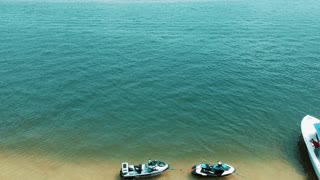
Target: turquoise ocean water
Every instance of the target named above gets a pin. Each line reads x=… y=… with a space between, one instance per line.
x=172 y=80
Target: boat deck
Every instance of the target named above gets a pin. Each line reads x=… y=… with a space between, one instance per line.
x=310 y=128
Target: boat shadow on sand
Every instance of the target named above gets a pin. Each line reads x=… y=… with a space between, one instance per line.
x=304 y=160
x=187 y=176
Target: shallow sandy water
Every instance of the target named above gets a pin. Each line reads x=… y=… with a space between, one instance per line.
x=34 y=167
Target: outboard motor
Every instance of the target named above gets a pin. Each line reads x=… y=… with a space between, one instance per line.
x=124 y=168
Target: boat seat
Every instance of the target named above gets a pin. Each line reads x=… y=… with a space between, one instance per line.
x=138 y=168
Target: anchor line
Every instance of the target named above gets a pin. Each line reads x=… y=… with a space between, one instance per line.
x=182 y=170
x=241 y=175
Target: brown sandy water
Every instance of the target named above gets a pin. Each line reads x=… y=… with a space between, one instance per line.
x=34 y=167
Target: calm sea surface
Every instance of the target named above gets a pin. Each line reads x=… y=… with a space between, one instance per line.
x=169 y=80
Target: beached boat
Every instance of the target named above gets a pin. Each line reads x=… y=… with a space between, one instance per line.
x=152 y=168
x=310 y=129
x=216 y=170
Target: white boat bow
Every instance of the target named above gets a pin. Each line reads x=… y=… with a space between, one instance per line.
x=310 y=129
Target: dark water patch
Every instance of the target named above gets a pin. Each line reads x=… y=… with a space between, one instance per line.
x=304 y=160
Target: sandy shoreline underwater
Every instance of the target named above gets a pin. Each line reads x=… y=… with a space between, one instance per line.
x=87 y=86
x=27 y=166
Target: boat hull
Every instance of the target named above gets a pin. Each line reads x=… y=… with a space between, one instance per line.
x=198 y=171
x=153 y=168
x=140 y=176
x=309 y=132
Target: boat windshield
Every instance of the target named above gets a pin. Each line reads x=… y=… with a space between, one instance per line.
x=204 y=166
x=222 y=167
x=317 y=127
x=225 y=167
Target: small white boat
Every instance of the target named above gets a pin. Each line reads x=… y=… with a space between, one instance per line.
x=310 y=129
x=152 y=168
x=215 y=170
